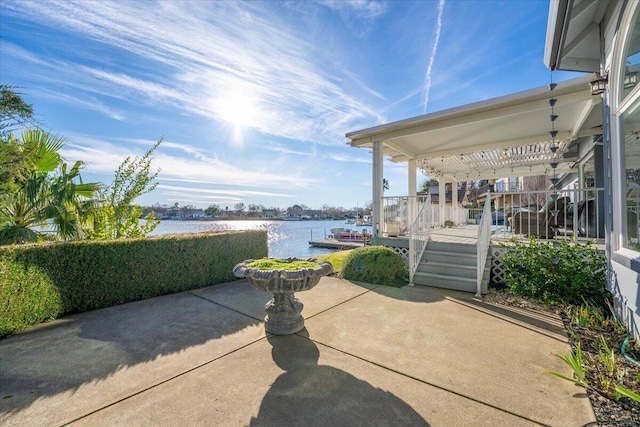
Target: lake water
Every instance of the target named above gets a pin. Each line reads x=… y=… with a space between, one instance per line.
x=286 y=238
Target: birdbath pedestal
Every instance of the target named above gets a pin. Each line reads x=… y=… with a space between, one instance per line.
x=283 y=277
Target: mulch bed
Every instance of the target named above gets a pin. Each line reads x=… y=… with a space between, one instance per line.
x=609 y=412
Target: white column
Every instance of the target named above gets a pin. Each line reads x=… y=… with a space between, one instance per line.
x=442 y=200
x=412 y=191
x=454 y=202
x=378 y=207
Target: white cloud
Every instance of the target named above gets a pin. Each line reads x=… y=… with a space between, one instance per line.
x=103 y=156
x=195 y=56
x=89 y=104
x=217 y=192
x=362 y=9
x=347 y=158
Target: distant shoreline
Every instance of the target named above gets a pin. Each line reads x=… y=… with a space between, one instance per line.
x=246 y=219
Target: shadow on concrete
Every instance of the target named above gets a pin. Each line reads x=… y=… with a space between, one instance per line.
x=424 y=294
x=90 y=347
x=546 y=324
x=311 y=394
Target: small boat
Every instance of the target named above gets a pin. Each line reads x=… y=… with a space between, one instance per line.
x=350 y=221
x=346 y=235
x=290 y=218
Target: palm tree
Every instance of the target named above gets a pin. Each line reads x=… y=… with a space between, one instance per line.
x=47 y=193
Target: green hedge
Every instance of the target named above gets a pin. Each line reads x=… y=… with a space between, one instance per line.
x=374 y=264
x=44 y=281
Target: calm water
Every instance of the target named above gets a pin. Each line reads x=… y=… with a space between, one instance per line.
x=286 y=238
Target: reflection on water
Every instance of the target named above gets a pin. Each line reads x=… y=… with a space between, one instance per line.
x=286 y=238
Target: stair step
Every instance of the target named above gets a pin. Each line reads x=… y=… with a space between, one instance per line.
x=448 y=269
x=460 y=248
x=452 y=258
x=446 y=256
x=464 y=284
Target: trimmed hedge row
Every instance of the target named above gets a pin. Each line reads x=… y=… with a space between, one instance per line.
x=44 y=281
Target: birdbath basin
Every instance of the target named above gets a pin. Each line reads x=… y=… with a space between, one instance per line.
x=283 y=277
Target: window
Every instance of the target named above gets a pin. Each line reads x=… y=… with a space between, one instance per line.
x=629 y=101
x=632 y=173
x=632 y=68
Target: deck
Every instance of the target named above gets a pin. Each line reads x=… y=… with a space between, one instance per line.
x=468 y=234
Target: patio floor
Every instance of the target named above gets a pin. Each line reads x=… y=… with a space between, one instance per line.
x=368 y=356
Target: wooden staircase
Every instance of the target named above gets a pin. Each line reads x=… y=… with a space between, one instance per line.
x=451 y=266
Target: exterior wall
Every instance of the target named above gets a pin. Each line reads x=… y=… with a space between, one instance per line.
x=624 y=286
x=624 y=267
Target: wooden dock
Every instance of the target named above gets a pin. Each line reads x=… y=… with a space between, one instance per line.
x=335 y=244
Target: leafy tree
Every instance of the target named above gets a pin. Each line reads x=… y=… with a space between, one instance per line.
x=45 y=193
x=13 y=111
x=239 y=207
x=212 y=210
x=117 y=216
x=385 y=184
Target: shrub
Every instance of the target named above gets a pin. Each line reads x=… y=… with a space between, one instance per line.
x=44 y=281
x=556 y=272
x=374 y=264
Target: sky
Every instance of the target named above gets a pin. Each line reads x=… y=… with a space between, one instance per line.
x=253 y=99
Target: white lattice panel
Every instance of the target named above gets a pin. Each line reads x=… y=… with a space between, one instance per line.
x=403 y=252
x=497 y=271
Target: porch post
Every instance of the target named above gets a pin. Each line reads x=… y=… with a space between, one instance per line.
x=377 y=202
x=598 y=160
x=442 y=199
x=412 y=192
x=454 y=202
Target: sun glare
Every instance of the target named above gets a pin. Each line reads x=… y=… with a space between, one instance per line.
x=239 y=110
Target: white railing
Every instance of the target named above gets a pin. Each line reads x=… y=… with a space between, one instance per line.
x=399 y=214
x=484 y=239
x=419 y=233
x=575 y=214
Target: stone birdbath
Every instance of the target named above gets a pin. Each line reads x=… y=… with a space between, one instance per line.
x=283 y=277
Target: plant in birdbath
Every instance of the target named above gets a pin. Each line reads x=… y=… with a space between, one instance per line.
x=283 y=277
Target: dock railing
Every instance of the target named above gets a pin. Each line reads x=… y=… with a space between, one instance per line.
x=419 y=233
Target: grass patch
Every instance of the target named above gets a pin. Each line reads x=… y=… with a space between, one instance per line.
x=335 y=258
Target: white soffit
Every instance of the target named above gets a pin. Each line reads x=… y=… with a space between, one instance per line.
x=491 y=138
x=573 y=34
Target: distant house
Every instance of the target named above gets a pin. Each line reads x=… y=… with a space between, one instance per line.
x=175 y=213
x=270 y=213
x=197 y=213
x=313 y=213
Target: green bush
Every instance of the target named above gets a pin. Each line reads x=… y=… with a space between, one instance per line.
x=554 y=273
x=374 y=264
x=40 y=282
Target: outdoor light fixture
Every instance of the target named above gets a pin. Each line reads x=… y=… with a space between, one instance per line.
x=598 y=85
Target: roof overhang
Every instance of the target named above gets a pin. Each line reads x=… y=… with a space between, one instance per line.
x=573 y=40
x=500 y=137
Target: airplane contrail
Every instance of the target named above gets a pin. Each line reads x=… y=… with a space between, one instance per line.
x=434 y=49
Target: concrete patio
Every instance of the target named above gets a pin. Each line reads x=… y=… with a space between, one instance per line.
x=368 y=356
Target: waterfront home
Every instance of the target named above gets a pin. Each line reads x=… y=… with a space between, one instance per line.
x=582 y=134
